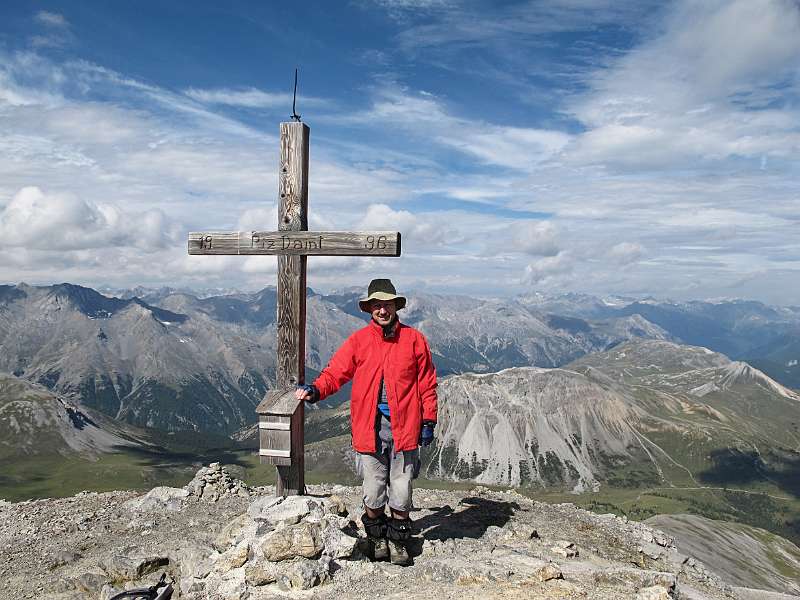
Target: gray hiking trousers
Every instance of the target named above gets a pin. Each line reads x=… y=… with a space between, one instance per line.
x=387 y=474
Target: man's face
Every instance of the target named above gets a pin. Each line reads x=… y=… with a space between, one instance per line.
x=383 y=311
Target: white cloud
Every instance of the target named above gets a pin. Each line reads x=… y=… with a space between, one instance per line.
x=537 y=238
x=548 y=269
x=62 y=221
x=57 y=33
x=625 y=253
x=51 y=19
x=426 y=231
x=259 y=219
x=251 y=98
x=713 y=85
x=424 y=115
x=466 y=25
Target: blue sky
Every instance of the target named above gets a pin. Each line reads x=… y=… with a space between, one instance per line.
x=571 y=145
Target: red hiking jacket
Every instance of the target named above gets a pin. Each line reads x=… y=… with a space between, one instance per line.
x=405 y=364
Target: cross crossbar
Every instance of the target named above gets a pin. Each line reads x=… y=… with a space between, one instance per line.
x=303 y=243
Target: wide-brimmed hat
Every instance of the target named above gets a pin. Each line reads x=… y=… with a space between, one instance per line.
x=381 y=289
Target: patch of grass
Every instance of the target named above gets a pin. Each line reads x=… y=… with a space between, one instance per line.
x=55 y=476
x=174 y=463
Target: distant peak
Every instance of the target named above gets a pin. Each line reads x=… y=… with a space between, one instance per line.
x=742 y=372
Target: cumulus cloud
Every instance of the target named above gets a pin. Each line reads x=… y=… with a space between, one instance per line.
x=428 y=231
x=695 y=156
x=259 y=219
x=63 y=221
x=547 y=269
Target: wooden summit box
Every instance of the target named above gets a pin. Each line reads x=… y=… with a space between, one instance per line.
x=280 y=427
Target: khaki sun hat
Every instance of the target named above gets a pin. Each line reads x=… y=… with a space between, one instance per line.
x=381 y=289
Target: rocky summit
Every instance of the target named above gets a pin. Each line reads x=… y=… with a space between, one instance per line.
x=219 y=539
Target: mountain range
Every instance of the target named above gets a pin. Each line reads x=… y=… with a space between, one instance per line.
x=174 y=361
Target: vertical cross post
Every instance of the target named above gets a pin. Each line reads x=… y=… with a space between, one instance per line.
x=292 y=216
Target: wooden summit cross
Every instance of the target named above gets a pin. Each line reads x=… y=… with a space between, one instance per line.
x=281 y=417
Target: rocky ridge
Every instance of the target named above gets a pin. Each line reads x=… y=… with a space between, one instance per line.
x=219 y=539
x=741 y=554
x=35 y=420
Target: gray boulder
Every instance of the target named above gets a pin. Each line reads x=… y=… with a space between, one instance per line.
x=301 y=540
x=131 y=568
x=286 y=511
x=303 y=574
x=159 y=498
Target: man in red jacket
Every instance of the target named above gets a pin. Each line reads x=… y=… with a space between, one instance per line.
x=392 y=411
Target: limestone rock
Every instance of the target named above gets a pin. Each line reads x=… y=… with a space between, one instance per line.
x=301 y=540
x=261 y=505
x=194 y=561
x=159 y=498
x=233 y=531
x=69 y=595
x=640 y=578
x=286 y=511
x=656 y=592
x=524 y=531
x=91 y=582
x=339 y=543
x=303 y=574
x=564 y=549
x=61 y=558
x=131 y=568
x=230 y=586
x=232 y=559
x=335 y=505
x=548 y=572
x=261 y=572
x=652 y=550
x=471 y=548
x=662 y=539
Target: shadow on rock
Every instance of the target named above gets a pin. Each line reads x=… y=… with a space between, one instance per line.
x=470 y=522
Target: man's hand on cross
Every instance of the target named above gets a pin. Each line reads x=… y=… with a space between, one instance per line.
x=309 y=393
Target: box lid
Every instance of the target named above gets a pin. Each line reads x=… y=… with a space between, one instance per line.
x=279 y=402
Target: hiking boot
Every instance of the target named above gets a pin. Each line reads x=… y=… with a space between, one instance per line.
x=378 y=548
x=398 y=532
x=398 y=553
x=376 y=537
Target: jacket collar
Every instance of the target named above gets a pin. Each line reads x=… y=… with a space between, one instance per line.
x=378 y=330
